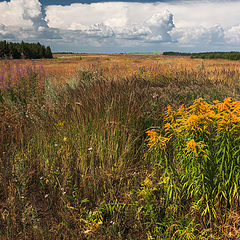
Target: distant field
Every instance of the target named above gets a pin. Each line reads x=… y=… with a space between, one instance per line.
x=63 y=66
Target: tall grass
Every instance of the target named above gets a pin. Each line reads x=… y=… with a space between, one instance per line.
x=75 y=163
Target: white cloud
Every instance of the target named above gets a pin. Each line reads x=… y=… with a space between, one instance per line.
x=199 y=35
x=21 y=13
x=95 y=30
x=5 y=34
x=132 y=32
x=112 y=14
x=187 y=23
x=105 y=25
x=122 y=20
x=233 y=35
x=205 y=13
x=161 y=25
x=23 y=20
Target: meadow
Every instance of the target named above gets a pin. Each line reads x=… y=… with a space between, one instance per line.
x=119 y=146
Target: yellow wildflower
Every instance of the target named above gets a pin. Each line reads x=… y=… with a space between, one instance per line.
x=225 y=105
x=152 y=134
x=200 y=106
x=169 y=114
x=155 y=140
x=192 y=146
x=168 y=127
x=147 y=182
x=195 y=147
x=192 y=122
x=181 y=111
x=162 y=141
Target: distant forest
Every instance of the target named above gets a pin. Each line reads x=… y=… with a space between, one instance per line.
x=24 y=50
x=64 y=53
x=208 y=55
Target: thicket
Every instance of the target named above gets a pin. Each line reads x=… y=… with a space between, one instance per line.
x=208 y=55
x=64 y=53
x=24 y=50
x=98 y=158
x=176 y=54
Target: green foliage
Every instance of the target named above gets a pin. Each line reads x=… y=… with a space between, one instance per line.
x=24 y=50
x=199 y=158
x=208 y=55
x=176 y=54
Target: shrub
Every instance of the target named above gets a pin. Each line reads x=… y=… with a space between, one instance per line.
x=199 y=153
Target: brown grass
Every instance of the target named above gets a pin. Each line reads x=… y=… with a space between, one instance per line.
x=76 y=156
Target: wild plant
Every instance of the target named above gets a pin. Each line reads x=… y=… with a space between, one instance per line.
x=21 y=83
x=152 y=206
x=74 y=163
x=202 y=155
x=21 y=94
x=110 y=218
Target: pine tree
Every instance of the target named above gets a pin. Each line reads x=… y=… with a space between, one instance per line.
x=48 y=52
x=24 y=50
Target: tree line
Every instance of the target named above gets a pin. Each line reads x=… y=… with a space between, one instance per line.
x=24 y=50
x=208 y=55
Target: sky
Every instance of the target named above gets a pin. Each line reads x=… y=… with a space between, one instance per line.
x=123 y=26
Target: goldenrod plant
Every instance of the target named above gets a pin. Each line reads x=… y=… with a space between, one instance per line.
x=200 y=151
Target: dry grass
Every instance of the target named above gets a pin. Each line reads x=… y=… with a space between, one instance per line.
x=73 y=153
x=65 y=66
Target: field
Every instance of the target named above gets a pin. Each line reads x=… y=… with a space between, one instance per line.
x=119 y=146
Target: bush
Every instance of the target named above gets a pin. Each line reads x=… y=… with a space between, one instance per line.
x=198 y=153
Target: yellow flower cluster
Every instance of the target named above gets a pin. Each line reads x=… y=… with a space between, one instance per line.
x=228 y=115
x=204 y=117
x=195 y=147
x=200 y=119
x=155 y=140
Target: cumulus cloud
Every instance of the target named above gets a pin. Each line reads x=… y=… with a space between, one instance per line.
x=95 y=30
x=23 y=20
x=199 y=35
x=21 y=13
x=233 y=35
x=5 y=34
x=205 y=13
x=175 y=24
x=112 y=14
x=186 y=23
x=121 y=20
x=161 y=25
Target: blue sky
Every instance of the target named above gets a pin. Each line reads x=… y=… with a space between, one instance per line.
x=68 y=2
x=123 y=26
